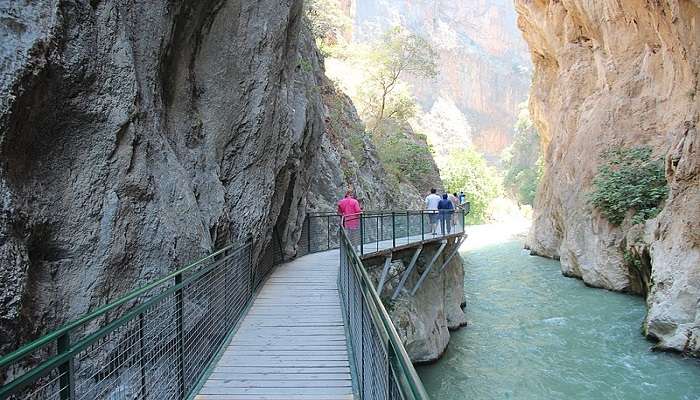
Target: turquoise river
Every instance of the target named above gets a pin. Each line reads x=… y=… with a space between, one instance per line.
x=534 y=334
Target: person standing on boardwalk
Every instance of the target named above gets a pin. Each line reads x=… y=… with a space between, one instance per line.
x=446 y=209
x=431 y=204
x=351 y=212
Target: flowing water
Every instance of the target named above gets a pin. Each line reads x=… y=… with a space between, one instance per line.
x=535 y=334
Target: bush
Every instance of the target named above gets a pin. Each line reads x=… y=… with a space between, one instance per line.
x=629 y=179
x=467 y=171
x=407 y=160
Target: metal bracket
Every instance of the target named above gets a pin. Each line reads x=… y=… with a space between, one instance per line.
x=407 y=273
x=385 y=271
x=430 y=266
x=456 y=249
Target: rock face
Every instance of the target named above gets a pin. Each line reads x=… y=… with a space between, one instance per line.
x=135 y=137
x=485 y=71
x=348 y=160
x=424 y=320
x=611 y=73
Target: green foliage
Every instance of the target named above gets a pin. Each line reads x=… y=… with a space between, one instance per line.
x=629 y=179
x=328 y=23
x=404 y=158
x=631 y=260
x=522 y=160
x=467 y=171
x=383 y=95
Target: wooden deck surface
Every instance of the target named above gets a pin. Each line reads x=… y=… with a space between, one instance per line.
x=291 y=344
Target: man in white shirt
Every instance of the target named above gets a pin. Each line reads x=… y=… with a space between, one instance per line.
x=431 y=203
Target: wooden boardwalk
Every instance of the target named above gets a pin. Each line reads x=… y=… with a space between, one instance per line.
x=291 y=344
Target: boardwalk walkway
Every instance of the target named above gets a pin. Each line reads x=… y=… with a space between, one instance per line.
x=292 y=343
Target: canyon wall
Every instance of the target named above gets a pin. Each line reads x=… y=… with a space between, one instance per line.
x=610 y=73
x=484 y=68
x=136 y=137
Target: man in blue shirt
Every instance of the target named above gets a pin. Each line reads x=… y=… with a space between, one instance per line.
x=446 y=209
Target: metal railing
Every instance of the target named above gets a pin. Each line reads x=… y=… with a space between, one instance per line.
x=373 y=231
x=154 y=343
x=158 y=341
x=379 y=361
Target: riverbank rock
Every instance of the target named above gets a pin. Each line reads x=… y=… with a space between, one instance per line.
x=608 y=74
x=424 y=320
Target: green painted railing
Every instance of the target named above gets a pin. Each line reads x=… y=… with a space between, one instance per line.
x=381 y=365
x=153 y=343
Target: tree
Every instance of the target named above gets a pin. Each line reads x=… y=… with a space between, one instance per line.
x=398 y=53
x=327 y=22
x=467 y=171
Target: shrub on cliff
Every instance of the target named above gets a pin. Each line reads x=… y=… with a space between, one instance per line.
x=629 y=179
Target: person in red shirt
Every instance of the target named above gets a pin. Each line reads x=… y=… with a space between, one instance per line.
x=349 y=208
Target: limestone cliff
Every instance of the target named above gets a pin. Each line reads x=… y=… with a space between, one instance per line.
x=611 y=73
x=137 y=136
x=348 y=160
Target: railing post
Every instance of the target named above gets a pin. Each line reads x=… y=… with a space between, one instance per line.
x=422 y=226
x=393 y=228
x=408 y=227
x=308 y=233
x=328 y=220
x=179 y=320
x=378 y=237
x=362 y=235
x=142 y=357
x=66 y=380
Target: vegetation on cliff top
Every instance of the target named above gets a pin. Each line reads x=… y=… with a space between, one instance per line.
x=629 y=180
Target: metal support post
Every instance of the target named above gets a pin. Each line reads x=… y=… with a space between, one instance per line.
x=427 y=269
x=362 y=235
x=66 y=380
x=179 y=322
x=407 y=273
x=385 y=272
x=393 y=228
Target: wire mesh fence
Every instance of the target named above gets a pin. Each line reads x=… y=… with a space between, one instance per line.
x=154 y=343
x=158 y=341
x=377 y=231
x=378 y=357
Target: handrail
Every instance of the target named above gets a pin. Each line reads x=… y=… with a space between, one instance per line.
x=153 y=317
x=412 y=383
x=48 y=338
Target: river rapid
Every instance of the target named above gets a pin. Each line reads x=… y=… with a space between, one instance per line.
x=535 y=334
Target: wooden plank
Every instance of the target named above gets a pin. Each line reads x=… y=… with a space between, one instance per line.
x=280 y=383
x=279 y=391
x=281 y=376
x=274 y=397
x=280 y=370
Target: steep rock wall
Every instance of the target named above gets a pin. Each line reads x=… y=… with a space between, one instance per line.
x=610 y=73
x=348 y=159
x=137 y=136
